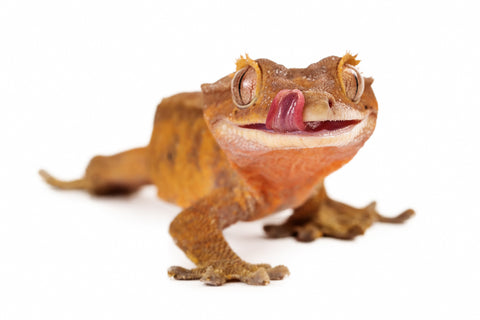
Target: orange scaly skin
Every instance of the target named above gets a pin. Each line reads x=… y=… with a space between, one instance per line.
x=249 y=145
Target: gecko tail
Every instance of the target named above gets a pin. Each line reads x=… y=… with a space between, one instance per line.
x=80 y=184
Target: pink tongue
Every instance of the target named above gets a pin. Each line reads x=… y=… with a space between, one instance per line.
x=286 y=111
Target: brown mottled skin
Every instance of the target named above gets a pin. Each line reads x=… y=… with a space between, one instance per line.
x=220 y=177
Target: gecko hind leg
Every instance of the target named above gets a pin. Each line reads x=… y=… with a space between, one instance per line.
x=119 y=174
x=321 y=216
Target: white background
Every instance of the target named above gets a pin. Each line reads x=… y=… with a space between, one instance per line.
x=83 y=78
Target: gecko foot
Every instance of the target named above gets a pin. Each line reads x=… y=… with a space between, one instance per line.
x=332 y=219
x=219 y=272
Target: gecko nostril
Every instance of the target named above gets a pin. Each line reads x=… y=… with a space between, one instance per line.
x=330 y=102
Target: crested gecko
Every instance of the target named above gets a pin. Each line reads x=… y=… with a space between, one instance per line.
x=259 y=140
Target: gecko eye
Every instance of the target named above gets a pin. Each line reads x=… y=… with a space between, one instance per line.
x=354 y=83
x=244 y=87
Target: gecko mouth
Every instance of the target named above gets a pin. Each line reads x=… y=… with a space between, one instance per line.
x=312 y=127
x=328 y=133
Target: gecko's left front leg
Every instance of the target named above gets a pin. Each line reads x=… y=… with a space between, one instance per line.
x=198 y=232
x=321 y=216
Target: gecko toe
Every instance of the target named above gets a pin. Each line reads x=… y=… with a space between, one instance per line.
x=212 y=278
x=278 y=272
x=278 y=231
x=258 y=278
x=308 y=232
x=180 y=273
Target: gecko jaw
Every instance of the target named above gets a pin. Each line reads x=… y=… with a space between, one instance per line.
x=320 y=133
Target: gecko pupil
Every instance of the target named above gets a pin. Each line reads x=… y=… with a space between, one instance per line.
x=356 y=85
x=240 y=88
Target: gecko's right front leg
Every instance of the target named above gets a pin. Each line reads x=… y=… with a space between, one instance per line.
x=198 y=232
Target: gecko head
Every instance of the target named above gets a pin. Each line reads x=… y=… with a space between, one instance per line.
x=266 y=106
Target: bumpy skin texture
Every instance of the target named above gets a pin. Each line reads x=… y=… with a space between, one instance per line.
x=219 y=155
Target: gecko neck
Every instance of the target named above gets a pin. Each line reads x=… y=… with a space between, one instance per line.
x=286 y=178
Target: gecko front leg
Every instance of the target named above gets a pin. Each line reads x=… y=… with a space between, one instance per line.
x=198 y=232
x=321 y=216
